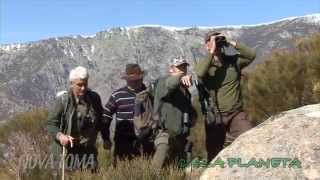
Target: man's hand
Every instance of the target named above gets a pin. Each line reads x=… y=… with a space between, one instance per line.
x=232 y=43
x=186 y=80
x=65 y=139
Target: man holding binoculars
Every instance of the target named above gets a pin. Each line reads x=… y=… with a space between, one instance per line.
x=220 y=74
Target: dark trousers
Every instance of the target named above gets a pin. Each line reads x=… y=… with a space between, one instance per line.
x=126 y=148
x=233 y=124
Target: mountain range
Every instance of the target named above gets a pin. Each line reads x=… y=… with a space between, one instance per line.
x=32 y=73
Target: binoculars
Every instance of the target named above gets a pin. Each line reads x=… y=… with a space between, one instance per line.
x=221 y=41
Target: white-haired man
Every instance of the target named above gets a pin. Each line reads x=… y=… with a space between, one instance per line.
x=74 y=122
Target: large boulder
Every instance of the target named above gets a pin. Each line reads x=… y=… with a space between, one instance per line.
x=286 y=146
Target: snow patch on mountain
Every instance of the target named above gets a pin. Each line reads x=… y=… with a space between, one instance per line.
x=88 y=36
x=313 y=18
x=92 y=49
x=71 y=53
x=169 y=28
x=285 y=35
x=13 y=47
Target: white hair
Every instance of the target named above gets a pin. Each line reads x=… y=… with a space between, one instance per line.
x=78 y=73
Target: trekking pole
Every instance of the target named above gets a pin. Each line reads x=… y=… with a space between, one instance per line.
x=63 y=162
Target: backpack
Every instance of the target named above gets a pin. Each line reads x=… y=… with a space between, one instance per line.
x=65 y=101
x=144 y=121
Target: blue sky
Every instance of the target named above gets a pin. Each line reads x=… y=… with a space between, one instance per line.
x=31 y=20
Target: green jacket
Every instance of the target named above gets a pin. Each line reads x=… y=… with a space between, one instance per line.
x=173 y=106
x=223 y=79
x=63 y=114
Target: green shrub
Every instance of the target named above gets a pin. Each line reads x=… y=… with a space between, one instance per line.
x=22 y=136
x=31 y=122
x=289 y=79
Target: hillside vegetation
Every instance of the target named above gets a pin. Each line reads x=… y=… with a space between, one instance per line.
x=287 y=80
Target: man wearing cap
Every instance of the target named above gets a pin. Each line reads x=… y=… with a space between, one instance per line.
x=174 y=111
x=74 y=122
x=220 y=74
x=121 y=103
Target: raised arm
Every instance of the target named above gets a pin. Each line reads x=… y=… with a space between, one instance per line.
x=246 y=55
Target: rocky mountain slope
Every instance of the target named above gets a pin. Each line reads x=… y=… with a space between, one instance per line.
x=31 y=73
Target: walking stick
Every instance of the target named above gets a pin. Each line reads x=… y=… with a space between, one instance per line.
x=63 y=161
x=64 y=154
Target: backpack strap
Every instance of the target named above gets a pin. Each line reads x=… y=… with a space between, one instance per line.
x=157 y=112
x=65 y=99
x=238 y=71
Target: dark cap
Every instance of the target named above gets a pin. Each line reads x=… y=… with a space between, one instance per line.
x=209 y=34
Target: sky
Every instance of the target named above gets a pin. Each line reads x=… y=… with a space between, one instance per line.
x=32 y=20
